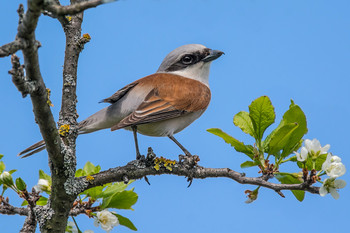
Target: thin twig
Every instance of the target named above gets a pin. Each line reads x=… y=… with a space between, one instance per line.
x=58 y=10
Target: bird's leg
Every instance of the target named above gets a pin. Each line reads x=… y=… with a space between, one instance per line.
x=181 y=146
x=134 y=130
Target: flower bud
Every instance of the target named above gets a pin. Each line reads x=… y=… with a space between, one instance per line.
x=42 y=186
x=6 y=178
x=20 y=184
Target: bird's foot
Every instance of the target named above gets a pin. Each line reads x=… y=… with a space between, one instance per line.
x=150 y=154
x=139 y=156
x=189 y=160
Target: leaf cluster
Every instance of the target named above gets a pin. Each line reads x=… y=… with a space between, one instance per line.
x=279 y=144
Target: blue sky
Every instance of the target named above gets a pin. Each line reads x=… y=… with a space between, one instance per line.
x=296 y=50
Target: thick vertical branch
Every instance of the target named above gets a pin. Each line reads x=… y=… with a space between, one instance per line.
x=42 y=111
x=63 y=174
x=43 y=115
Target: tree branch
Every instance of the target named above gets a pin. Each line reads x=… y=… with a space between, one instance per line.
x=30 y=223
x=23 y=85
x=58 y=10
x=11 y=210
x=42 y=112
x=39 y=97
x=11 y=48
x=6 y=208
x=139 y=169
x=63 y=172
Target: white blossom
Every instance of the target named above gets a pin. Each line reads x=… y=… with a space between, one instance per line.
x=88 y=231
x=42 y=186
x=106 y=219
x=330 y=186
x=315 y=146
x=302 y=156
x=312 y=148
x=333 y=166
x=71 y=228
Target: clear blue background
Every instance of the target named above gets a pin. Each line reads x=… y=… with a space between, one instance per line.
x=292 y=49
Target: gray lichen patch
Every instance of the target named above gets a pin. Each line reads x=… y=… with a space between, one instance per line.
x=69 y=80
x=69 y=160
x=43 y=213
x=75 y=186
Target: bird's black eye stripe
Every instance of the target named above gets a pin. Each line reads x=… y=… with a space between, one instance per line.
x=188 y=59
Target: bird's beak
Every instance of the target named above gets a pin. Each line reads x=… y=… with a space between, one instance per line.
x=214 y=54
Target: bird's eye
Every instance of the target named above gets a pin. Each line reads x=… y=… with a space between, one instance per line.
x=187 y=59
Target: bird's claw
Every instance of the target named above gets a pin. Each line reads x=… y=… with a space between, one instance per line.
x=189 y=160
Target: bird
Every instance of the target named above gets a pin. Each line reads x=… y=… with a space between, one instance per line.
x=159 y=105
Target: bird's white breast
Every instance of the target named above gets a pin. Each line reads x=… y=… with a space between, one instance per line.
x=198 y=71
x=168 y=127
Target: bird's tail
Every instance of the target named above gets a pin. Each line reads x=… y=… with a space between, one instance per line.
x=91 y=124
x=37 y=147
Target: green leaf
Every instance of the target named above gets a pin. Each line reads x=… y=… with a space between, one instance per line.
x=279 y=138
x=243 y=121
x=292 y=178
x=120 y=200
x=114 y=188
x=247 y=164
x=299 y=194
x=319 y=161
x=2 y=166
x=294 y=115
x=94 y=192
x=24 y=203
x=1 y=156
x=297 y=146
x=12 y=171
x=262 y=115
x=125 y=222
x=20 y=184
x=79 y=173
x=239 y=146
x=43 y=175
x=90 y=169
x=42 y=201
x=293 y=141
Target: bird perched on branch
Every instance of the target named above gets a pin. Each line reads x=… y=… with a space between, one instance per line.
x=159 y=105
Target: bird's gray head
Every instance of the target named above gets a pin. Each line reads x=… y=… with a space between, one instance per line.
x=191 y=61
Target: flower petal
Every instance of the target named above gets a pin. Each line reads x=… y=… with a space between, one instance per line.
x=315 y=145
x=334 y=193
x=325 y=149
x=339 y=184
x=335 y=159
x=327 y=163
x=303 y=153
x=323 y=191
x=308 y=144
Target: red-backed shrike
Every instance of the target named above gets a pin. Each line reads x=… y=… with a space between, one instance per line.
x=161 y=104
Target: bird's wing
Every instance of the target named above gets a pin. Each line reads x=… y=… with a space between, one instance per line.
x=119 y=94
x=172 y=96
